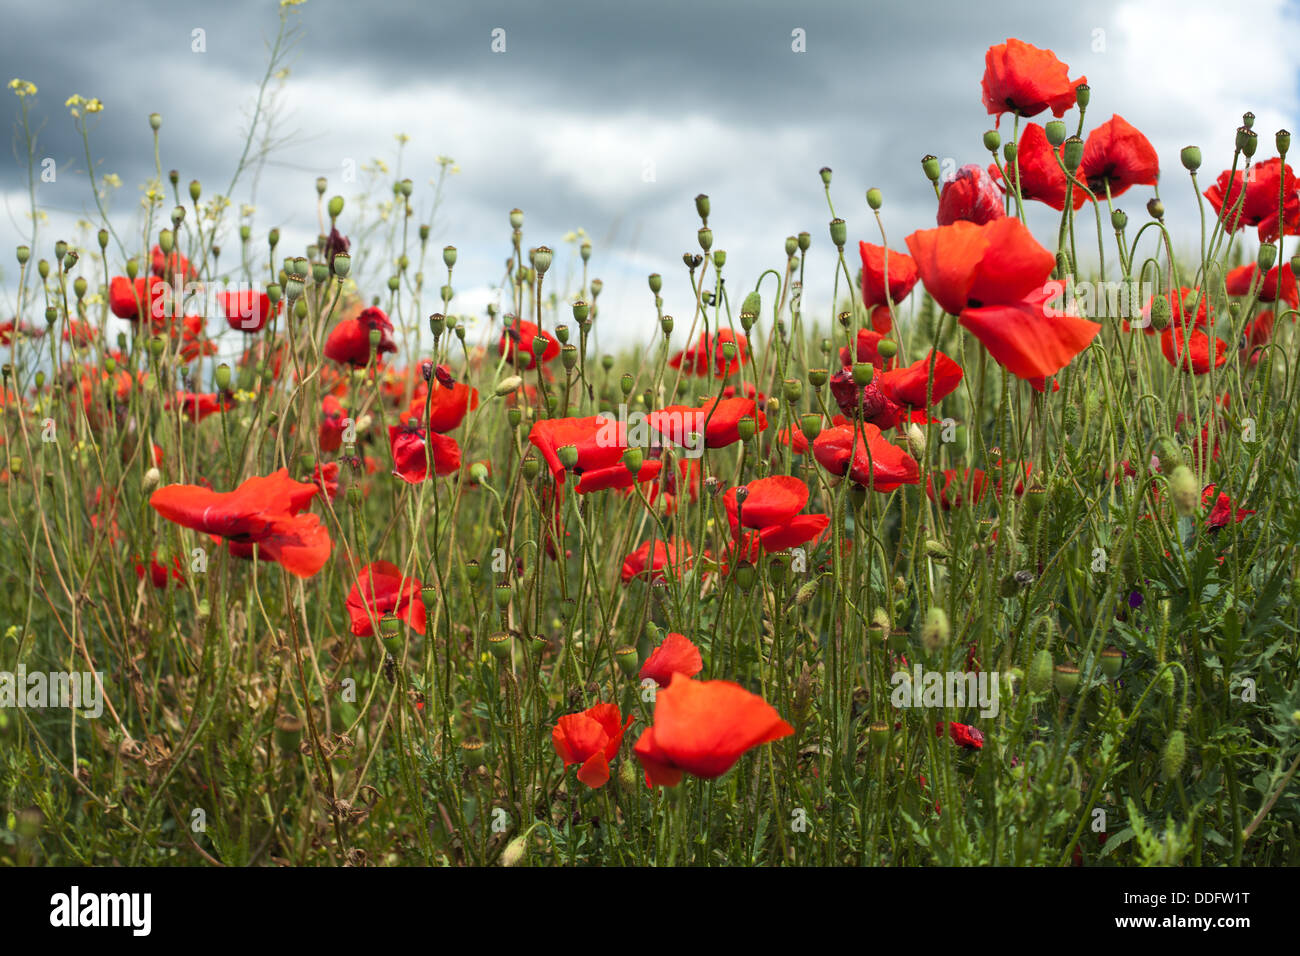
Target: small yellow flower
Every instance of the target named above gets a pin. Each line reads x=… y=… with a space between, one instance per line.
x=74 y=100
x=292 y=3
x=94 y=106
x=22 y=87
x=113 y=181
x=402 y=138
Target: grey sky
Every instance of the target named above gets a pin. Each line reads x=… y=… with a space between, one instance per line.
x=588 y=96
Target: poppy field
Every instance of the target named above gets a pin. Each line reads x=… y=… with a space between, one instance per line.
x=990 y=559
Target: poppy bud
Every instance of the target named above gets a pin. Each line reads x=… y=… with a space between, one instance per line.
x=887 y=348
x=1161 y=314
x=1156 y=209
x=744 y=576
x=628 y=661
x=1183 y=488
x=273 y=238
x=499 y=643
x=1174 y=755
x=1056 y=132
x=1247 y=140
x=863 y=373
x=875 y=198
x=930 y=166
x=155 y=121
x=1118 y=220
x=1112 y=659
x=1295 y=266
x=1066 y=678
x=936 y=631
x=839 y=233
x=992 y=140
x=174 y=176
x=936 y=549
x=1267 y=256
x=915 y=440
x=817 y=377
x=166 y=241
x=1072 y=153
x=222 y=377
x=335 y=206
x=1283 y=141
x=1039 y=678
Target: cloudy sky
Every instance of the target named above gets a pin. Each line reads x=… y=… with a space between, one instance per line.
x=612 y=117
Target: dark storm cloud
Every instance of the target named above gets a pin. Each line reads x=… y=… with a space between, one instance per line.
x=711 y=93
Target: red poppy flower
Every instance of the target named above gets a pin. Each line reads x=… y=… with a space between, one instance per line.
x=877 y=292
x=158 y=573
x=1117 y=156
x=616 y=477
x=955 y=485
x=1020 y=78
x=1222 y=514
x=127 y=299
x=673 y=556
x=78 y=333
x=197 y=407
x=173 y=265
x=675 y=655
x=326 y=478
x=517 y=344
x=994 y=278
x=719 y=420
x=1240 y=280
x=247 y=310
x=868 y=349
x=447 y=406
x=970 y=196
x=703 y=728
x=910 y=386
x=1268 y=184
x=1189 y=349
x=592 y=739
x=1258 y=333
x=1181 y=302
x=333 y=420
x=600 y=442
x=262 y=511
x=767 y=501
x=964 y=734
x=708 y=355
x=1041 y=177
x=871 y=461
x=412 y=449
x=349 y=342
x=381 y=589
x=193 y=340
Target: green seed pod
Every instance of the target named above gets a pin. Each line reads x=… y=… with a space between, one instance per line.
x=839 y=233
x=666 y=323
x=1118 y=220
x=568 y=455
x=805 y=241
x=992 y=140
x=792 y=389
x=1066 y=679
x=222 y=377
x=633 y=458
x=887 y=348
x=1056 y=132
x=817 y=377
x=1191 y=158
x=1267 y=256
x=1161 y=313
x=743 y=574
x=288 y=733
x=1283 y=141
x=1156 y=209
x=863 y=373
x=1072 y=153
x=1112 y=659
x=702 y=206
x=936 y=631
x=502 y=595
x=628 y=661
x=811 y=425
x=930 y=166
x=746 y=427
x=1174 y=755
x=499 y=644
